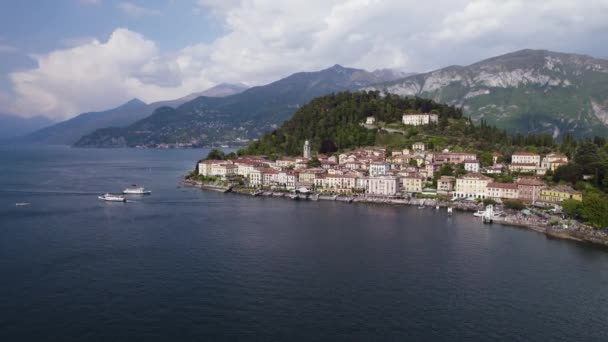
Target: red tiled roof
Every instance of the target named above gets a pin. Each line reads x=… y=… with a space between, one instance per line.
x=502 y=185
x=525 y=154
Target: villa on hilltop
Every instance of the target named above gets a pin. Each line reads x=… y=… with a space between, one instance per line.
x=419 y=119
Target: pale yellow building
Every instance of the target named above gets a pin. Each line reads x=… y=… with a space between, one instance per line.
x=472 y=185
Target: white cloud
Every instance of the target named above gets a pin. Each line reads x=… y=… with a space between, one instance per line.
x=268 y=39
x=135 y=10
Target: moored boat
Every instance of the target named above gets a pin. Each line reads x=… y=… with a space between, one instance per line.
x=479 y=213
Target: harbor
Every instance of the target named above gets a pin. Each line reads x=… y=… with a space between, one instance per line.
x=552 y=226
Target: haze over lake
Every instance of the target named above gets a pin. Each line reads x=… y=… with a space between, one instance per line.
x=186 y=265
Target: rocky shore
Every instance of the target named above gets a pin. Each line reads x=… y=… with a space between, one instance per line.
x=551 y=226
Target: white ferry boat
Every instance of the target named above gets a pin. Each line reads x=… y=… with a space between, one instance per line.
x=136 y=190
x=113 y=198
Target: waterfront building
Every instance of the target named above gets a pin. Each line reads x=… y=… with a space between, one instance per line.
x=378 y=169
x=223 y=170
x=382 y=186
x=306 y=153
x=307 y=177
x=445 y=185
x=559 y=193
x=412 y=183
x=339 y=183
x=471 y=166
x=502 y=190
x=472 y=185
x=244 y=166
x=255 y=178
x=419 y=119
x=204 y=167
x=529 y=189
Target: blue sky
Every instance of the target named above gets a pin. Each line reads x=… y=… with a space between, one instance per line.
x=63 y=57
x=34 y=27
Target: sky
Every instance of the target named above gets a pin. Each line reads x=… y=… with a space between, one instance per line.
x=63 y=57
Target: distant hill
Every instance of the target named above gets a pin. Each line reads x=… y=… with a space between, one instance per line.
x=333 y=122
x=12 y=126
x=527 y=91
x=70 y=131
x=245 y=115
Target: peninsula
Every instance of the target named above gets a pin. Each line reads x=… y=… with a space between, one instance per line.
x=372 y=147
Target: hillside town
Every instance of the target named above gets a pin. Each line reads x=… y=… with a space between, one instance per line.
x=407 y=173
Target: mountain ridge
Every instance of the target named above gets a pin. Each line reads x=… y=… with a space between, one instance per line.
x=238 y=117
x=525 y=91
x=69 y=131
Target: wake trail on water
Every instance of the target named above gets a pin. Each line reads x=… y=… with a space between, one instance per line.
x=51 y=192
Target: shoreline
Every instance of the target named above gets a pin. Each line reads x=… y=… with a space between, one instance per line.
x=574 y=232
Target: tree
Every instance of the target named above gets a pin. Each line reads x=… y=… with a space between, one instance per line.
x=595 y=210
x=488 y=201
x=572 y=207
x=515 y=205
x=327 y=146
x=216 y=154
x=586 y=156
x=485 y=158
x=570 y=173
x=314 y=162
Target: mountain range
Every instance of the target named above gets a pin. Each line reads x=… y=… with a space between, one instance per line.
x=70 y=131
x=238 y=117
x=527 y=91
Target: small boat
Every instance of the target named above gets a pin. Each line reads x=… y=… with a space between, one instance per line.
x=21 y=204
x=256 y=193
x=436 y=207
x=479 y=213
x=421 y=207
x=136 y=190
x=112 y=198
x=450 y=210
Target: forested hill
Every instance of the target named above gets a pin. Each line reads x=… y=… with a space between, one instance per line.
x=332 y=122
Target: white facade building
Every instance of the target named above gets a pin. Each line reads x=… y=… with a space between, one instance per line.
x=471 y=166
x=383 y=186
x=525 y=158
x=472 y=185
x=378 y=169
x=419 y=119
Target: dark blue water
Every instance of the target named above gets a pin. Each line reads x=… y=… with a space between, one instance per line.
x=186 y=265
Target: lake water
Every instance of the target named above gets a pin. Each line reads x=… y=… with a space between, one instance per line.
x=188 y=265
